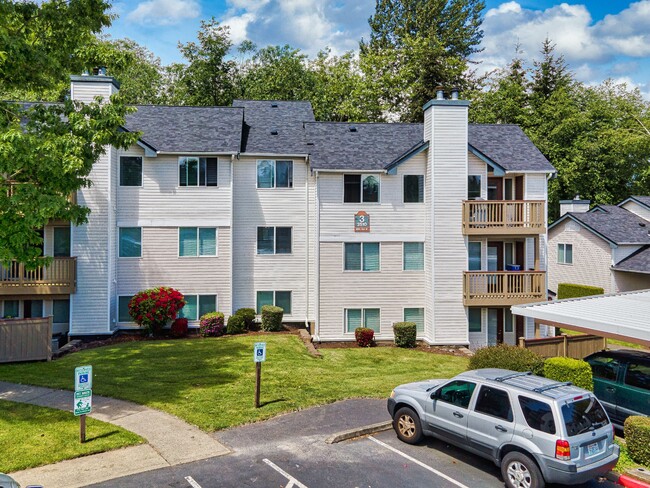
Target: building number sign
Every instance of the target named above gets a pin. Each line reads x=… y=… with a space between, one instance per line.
x=361 y=222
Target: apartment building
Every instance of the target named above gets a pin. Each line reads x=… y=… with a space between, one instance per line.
x=341 y=224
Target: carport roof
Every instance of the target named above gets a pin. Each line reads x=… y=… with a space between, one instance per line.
x=620 y=316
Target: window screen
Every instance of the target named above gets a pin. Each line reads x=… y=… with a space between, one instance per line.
x=123 y=309
x=415 y=315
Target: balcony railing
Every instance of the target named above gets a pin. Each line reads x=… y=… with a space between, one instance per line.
x=58 y=278
x=511 y=217
x=503 y=288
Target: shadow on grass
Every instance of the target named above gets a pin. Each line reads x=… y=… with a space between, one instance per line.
x=101 y=436
x=278 y=400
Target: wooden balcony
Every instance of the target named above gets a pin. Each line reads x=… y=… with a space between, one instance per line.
x=503 y=217
x=59 y=278
x=503 y=288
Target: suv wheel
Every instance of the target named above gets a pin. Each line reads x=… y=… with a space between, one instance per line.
x=520 y=471
x=407 y=425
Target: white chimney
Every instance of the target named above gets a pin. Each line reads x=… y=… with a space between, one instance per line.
x=86 y=87
x=576 y=205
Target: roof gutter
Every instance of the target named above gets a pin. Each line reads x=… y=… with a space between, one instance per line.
x=349 y=171
x=265 y=155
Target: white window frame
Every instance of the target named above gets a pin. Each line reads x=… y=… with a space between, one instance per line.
x=424 y=318
x=480 y=188
x=275 y=175
x=363 y=316
x=119 y=176
x=404 y=189
x=118 y=309
x=275 y=239
x=290 y=292
x=198 y=255
x=198 y=295
x=423 y=258
x=558 y=253
x=198 y=176
x=361 y=270
x=363 y=177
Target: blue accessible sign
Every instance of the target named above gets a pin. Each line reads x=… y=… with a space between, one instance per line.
x=259 y=355
x=83 y=378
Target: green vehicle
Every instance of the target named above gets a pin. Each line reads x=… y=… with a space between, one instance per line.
x=622 y=383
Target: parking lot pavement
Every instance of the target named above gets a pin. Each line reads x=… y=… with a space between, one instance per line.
x=290 y=451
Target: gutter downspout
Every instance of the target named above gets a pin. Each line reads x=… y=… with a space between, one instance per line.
x=308 y=243
x=317 y=259
x=232 y=230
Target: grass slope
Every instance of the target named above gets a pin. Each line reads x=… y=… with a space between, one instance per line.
x=32 y=436
x=210 y=382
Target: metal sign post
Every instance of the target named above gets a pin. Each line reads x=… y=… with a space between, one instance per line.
x=83 y=397
x=259 y=356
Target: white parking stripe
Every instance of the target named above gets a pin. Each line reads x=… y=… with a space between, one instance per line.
x=192 y=483
x=292 y=481
x=419 y=463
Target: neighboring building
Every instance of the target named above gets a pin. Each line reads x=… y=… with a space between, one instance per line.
x=341 y=224
x=607 y=246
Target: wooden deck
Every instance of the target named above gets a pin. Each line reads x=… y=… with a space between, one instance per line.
x=59 y=278
x=503 y=288
x=503 y=217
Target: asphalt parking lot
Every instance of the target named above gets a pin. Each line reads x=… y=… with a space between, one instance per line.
x=290 y=451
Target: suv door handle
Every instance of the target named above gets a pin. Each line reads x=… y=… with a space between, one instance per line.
x=458 y=414
x=500 y=428
x=610 y=389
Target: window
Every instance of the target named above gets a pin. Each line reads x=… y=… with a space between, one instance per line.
x=565 y=253
x=413 y=256
x=583 y=415
x=474 y=319
x=508 y=326
x=274 y=174
x=494 y=402
x=473 y=187
x=197 y=241
x=194 y=171
x=10 y=309
x=474 y=256
x=198 y=305
x=413 y=188
x=638 y=375
x=61 y=242
x=274 y=240
x=130 y=242
x=61 y=311
x=604 y=368
x=32 y=309
x=361 y=256
x=415 y=315
x=538 y=415
x=362 y=317
x=130 y=171
x=280 y=299
x=457 y=393
x=360 y=189
x=123 y=309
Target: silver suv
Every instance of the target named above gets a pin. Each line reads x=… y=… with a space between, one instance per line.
x=538 y=430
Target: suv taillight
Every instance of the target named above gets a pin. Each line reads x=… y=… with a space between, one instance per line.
x=562 y=450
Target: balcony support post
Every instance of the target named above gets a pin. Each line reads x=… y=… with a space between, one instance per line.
x=536 y=244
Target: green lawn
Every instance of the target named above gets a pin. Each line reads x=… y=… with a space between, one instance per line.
x=210 y=382
x=32 y=436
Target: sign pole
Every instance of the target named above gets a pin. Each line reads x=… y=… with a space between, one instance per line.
x=258 y=377
x=82 y=428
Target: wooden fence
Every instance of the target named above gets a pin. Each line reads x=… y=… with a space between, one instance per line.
x=25 y=339
x=576 y=347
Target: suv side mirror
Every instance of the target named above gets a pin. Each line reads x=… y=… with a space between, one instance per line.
x=435 y=395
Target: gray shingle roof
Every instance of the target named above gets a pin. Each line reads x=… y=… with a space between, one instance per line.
x=261 y=117
x=638 y=262
x=188 y=129
x=371 y=147
x=508 y=146
x=616 y=224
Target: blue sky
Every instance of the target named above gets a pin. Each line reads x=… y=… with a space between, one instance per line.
x=599 y=39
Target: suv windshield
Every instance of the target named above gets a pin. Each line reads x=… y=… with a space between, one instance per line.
x=583 y=415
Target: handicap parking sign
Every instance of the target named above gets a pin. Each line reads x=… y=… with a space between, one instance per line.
x=83 y=378
x=259 y=355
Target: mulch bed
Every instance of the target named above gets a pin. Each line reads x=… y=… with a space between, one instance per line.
x=421 y=346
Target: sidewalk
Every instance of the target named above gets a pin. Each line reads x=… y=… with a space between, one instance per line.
x=171 y=441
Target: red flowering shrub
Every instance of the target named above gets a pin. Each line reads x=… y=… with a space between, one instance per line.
x=212 y=325
x=365 y=337
x=179 y=328
x=155 y=307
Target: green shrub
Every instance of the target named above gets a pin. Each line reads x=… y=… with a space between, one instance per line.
x=507 y=357
x=364 y=336
x=236 y=324
x=272 y=318
x=153 y=308
x=576 y=371
x=249 y=316
x=637 y=438
x=405 y=333
x=212 y=325
x=570 y=290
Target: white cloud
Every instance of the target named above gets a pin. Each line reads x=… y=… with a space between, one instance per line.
x=164 y=12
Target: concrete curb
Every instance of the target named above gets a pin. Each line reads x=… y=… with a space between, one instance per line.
x=352 y=433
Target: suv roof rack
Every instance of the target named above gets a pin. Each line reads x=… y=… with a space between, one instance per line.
x=542 y=389
x=513 y=375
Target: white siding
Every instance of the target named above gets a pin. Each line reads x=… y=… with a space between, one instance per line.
x=428 y=235
x=621 y=252
x=282 y=207
x=86 y=91
x=640 y=210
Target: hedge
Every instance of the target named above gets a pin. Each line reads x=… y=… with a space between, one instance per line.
x=212 y=325
x=249 y=316
x=364 y=336
x=637 y=438
x=505 y=356
x=179 y=328
x=576 y=371
x=405 y=334
x=272 y=318
x=570 y=290
x=236 y=324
